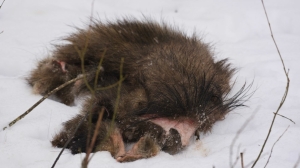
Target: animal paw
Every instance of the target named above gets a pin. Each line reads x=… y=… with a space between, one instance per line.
x=146 y=147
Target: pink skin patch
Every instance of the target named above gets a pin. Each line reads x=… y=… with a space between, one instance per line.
x=185 y=126
x=62 y=65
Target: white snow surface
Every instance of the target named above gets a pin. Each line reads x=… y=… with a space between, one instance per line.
x=237 y=29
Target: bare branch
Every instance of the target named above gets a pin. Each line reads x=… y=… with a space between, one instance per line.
x=41 y=100
x=85 y=162
x=111 y=86
x=81 y=54
x=118 y=95
x=99 y=67
x=297 y=162
x=274 y=145
x=242 y=160
x=238 y=134
x=251 y=162
x=285 y=93
x=1 y=7
x=285 y=117
x=237 y=158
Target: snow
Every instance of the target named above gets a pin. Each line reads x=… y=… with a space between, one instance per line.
x=237 y=29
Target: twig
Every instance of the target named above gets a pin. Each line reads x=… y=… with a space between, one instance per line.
x=70 y=138
x=81 y=54
x=285 y=117
x=41 y=100
x=118 y=94
x=237 y=159
x=85 y=162
x=297 y=162
x=242 y=160
x=1 y=6
x=110 y=129
x=92 y=11
x=112 y=85
x=285 y=93
x=274 y=145
x=99 y=67
x=251 y=162
x=238 y=134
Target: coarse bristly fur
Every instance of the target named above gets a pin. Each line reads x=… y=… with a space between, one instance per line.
x=172 y=82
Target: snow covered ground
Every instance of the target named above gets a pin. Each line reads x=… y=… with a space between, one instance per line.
x=238 y=30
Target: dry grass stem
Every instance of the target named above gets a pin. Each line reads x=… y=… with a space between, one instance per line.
x=118 y=91
x=1 y=7
x=90 y=148
x=99 y=67
x=297 y=162
x=274 y=145
x=285 y=93
x=117 y=102
x=81 y=54
x=285 y=117
x=238 y=134
x=242 y=160
x=237 y=159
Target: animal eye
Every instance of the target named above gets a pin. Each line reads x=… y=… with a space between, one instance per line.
x=215 y=99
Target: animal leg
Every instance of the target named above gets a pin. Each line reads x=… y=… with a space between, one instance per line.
x=111 y=142
x=108 y=139
x=148 y=146
x=136 y=129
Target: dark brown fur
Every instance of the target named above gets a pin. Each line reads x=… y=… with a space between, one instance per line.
x=168 y=75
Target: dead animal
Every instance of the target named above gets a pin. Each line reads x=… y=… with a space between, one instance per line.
x=173 y=88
